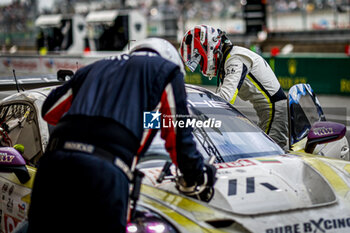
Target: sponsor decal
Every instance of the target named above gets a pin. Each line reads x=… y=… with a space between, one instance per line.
x=5 y=158
x=66 y=65
x=202 y=37
x=21 y=64
x=79 y=147
x=230 y=69
x=21 y=210
x=62 y=64
x=10 y=223
x=208 y=104
x=238 y=163
x=321 y=131
x=5 y=186
x=226 y=172
x=321 y=225
x=11 y=190
x=9 y=205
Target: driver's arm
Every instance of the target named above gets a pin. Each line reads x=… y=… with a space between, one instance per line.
x=236 y=69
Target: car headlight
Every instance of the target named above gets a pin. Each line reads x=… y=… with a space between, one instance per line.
x=148 y=221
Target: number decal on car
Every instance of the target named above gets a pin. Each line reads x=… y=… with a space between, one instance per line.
x=250 y=186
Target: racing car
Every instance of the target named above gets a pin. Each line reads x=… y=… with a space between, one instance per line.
x=259 y=187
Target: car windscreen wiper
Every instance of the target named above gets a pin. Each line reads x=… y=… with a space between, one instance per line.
x=208 y=145
x=203 y=138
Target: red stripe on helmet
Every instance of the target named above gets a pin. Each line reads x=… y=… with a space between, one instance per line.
x=203 y=53
x=197 y=32
x=201 y=49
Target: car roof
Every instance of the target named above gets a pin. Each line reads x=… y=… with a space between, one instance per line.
x=31 y=95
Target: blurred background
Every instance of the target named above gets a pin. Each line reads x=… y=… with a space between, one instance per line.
x=307 y=25
x=304 y=41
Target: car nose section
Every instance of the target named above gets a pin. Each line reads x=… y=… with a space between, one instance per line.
x=273 y=185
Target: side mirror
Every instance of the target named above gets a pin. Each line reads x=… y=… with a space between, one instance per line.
x=12 y=161
x=64 y=75
x=324 y=132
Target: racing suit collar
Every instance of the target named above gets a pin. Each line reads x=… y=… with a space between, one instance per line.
x=226 y=49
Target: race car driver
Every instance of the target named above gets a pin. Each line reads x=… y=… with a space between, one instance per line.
x=240 y=72
x=82 y=183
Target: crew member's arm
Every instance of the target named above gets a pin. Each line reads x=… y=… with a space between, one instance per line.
x=60 y=99
x=236 y=68
x=179 y=140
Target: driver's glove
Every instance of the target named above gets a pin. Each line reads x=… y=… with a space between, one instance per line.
x=201 y=188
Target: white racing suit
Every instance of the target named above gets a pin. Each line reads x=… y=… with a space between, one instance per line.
x=248 y=75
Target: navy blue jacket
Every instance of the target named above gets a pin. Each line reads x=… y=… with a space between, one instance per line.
x=122 y=89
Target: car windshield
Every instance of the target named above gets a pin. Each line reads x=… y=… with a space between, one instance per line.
x=236 y=137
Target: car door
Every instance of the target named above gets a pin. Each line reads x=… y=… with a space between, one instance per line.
x=19 y=126
x=304 y=109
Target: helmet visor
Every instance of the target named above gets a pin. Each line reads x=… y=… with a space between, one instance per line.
x=194 y=61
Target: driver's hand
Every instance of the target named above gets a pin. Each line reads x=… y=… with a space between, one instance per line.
x=202 y=188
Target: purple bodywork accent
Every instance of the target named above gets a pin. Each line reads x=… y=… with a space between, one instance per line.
x=11 y=157
x=326 y=129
